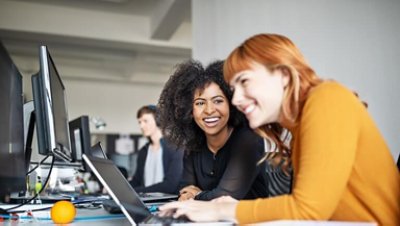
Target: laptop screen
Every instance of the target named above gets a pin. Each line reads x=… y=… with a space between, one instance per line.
x=118 y=187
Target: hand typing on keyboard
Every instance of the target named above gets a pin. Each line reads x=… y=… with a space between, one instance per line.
x=204 y=211
x=169 y=217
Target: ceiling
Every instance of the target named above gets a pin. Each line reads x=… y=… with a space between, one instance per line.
x=138 y=7
x=137 y=41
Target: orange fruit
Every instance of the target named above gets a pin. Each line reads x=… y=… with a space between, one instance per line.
x=63 y=212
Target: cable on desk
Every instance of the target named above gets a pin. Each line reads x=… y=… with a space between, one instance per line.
x=36 y=195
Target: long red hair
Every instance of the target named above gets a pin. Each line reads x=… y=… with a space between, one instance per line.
x=276 y=52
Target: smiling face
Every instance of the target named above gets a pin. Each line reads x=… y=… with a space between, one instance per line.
x=211 y=110
x=258 y=93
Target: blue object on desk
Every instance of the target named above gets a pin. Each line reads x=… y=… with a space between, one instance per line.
x=153 y=208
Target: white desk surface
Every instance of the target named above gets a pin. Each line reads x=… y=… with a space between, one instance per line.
x=101 y=217
x=313 y=223
x=96 y=217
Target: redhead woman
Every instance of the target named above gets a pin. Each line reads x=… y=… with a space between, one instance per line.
x=342 y=167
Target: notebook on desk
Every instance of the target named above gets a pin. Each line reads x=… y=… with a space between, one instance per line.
x=125 y=196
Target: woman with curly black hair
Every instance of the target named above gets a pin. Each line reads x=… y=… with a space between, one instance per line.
x=197 y=115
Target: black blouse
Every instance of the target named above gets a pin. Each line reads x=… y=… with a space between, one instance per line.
x=232 y=171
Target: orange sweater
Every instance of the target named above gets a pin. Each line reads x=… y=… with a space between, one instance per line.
x=343 y=169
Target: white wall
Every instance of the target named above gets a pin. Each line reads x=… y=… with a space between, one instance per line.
x=114 y=100
x=116 y=103
x=107 y=59
x=354 y=42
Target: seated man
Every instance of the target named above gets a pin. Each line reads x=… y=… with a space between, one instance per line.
x=159 y=163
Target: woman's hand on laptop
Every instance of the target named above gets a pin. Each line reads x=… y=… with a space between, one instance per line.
x=201 y=210
x=188 y=192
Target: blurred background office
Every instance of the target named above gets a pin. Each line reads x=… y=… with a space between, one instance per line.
x=115 y=55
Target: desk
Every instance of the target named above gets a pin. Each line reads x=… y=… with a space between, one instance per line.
x=313 y=223
x=100 y=217
x=84 y=217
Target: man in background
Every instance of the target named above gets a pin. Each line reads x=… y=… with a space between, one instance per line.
x=159 y=163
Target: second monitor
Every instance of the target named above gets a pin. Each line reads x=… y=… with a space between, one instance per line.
x=51 y=109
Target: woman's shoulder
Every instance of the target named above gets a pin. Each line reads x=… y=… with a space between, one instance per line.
x=244 y=135
x=167 y=145
x=244 y=139
x=244 y=131
x=329 y=88
x=331 y=97
x=331 y=92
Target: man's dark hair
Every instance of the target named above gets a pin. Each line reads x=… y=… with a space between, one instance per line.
x=149 y=109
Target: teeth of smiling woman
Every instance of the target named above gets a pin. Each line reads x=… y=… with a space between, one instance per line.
x=211 y=119
x=249 y=109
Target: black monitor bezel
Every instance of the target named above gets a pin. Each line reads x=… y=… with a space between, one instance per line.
x=12 y=154
x=48 y=142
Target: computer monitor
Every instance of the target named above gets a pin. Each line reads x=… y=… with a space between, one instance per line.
x=81 y=142
x=80 y=137
x=51 y=109
x=12 y=157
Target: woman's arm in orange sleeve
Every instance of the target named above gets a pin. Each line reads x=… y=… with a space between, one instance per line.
x=325 y=146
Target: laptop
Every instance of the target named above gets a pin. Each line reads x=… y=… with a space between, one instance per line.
x=150 y=197
x=97 y=151
x=124 y=195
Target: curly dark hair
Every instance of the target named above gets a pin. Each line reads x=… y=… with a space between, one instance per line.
x=176 y=103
